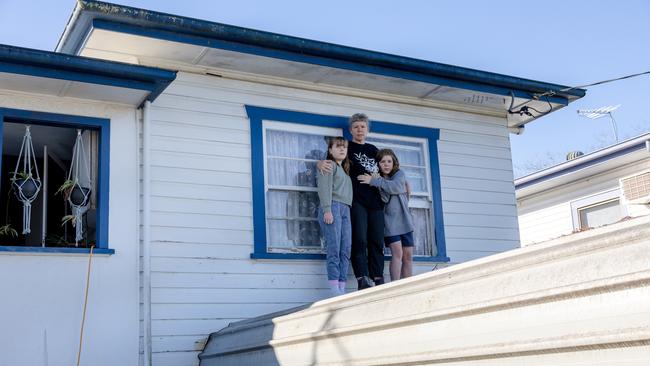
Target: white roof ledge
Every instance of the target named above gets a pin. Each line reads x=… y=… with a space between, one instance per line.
x=583 y=295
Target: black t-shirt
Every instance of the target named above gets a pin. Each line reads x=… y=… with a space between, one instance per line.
x=363 y=158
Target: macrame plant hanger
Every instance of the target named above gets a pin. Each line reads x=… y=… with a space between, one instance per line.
x=79 y=196
x=25 y=186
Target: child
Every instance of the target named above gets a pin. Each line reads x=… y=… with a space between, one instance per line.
x=335 y=194
x=398 y=222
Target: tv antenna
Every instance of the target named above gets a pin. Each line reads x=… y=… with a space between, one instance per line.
x=602 y=112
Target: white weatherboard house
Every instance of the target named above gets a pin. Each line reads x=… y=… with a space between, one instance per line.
x=202 y=210
x=592 y=190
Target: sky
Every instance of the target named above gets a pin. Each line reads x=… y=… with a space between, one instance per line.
x=565 y=42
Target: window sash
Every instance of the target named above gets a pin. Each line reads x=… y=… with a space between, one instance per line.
x=608 y=208
x=417 y=145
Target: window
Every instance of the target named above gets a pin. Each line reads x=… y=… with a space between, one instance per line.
x=53 y=139
x=597 y=210
x=285 y=148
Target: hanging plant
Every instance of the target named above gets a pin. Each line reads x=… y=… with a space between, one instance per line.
x=25 y=186
x=25 y=182
x=77 y=196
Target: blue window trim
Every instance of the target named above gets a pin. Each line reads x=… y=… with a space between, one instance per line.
x=259 y=114
x=65 y=120
x=53 y=250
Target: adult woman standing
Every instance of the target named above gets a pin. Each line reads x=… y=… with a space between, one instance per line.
x=367 y=211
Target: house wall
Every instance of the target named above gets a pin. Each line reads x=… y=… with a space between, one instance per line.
x=43 y=294
x=547 y=215
x=202 y=235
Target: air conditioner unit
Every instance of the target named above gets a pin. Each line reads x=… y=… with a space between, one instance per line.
x=636 y=188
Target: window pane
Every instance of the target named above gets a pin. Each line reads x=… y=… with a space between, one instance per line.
x=292 y=219
x=295 y=145
x=599 y=215
x=283 y=172
x=291 y=204
x=411 y=159
x=301 y=235
x=423 y=233
x=417 y=178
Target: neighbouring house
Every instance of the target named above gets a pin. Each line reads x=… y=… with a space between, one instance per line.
x=592 y=190
x=199 y=146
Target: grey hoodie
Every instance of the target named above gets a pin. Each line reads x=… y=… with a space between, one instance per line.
x=397 y=217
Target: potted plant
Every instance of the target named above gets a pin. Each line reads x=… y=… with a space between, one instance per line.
x=25 y=184
x=74 y=192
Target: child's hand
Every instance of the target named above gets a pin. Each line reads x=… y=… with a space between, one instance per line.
x=328 y=218
x=325 y=166
x=364 y=178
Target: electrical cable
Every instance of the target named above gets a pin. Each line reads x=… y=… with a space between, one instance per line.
x=83 y=316
x=522 y=109
x=553 y=92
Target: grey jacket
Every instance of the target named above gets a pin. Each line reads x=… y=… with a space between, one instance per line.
x=397 y=216
x=334 y=187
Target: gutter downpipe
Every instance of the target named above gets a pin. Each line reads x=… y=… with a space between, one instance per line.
x=146 y=254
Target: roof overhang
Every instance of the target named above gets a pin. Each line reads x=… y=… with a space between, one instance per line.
x=43 y=72
x=106 y=30
x=598 y=162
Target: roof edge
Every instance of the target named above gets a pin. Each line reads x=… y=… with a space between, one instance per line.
x=55 y=65
x=623 y=148
x=72 y=40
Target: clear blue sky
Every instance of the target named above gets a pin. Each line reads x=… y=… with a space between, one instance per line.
x=565 y=42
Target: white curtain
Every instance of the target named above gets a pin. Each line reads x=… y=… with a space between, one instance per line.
x=291 y=199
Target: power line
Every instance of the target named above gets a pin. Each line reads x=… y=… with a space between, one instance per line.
x=523 y=109
x=552 y=92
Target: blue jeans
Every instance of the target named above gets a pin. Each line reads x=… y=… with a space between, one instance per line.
x=338 y=238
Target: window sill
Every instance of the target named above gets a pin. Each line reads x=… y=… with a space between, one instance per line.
x=311 y=256
x=307 y=256
x=57 y=250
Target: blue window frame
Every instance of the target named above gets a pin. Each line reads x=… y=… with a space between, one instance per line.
x=258 y=115
x=102 y=126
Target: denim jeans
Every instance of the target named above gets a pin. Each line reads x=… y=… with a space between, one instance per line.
x=338 y=238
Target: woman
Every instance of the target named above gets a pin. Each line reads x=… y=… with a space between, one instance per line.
x=367 y=211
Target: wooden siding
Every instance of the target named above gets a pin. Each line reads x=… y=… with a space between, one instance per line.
x=202 y=236
x=548 y=215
